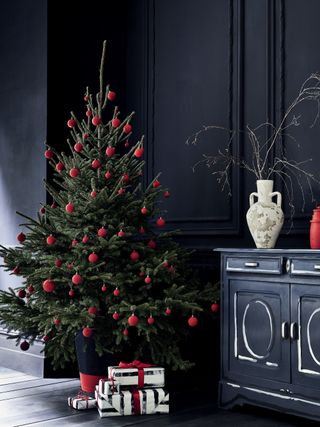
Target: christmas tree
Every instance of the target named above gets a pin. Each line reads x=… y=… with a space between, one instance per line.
x=97 y=259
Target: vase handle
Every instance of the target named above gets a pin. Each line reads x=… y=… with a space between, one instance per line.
x=251 y=198
x=279 y=197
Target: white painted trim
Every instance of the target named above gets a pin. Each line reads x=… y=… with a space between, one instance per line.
x=20 y=352
x=309 y=339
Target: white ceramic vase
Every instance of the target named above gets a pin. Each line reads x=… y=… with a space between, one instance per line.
x=264 y=217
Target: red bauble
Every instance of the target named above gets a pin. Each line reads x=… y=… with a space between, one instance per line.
x=125 y=332
x=70 y=265
x=24 y=346
x=193 y=321
x=144 y=210
x=16 y=270
x=92 y=310
x=85 y=239
x=59 y=167
x=42 y=211
x=58 y=263
x=76 y=279
x=21 y=237
x=166 y=194
x=116 y=122
x=30 y=289
x=71 y=123
x=54 y=205
x=89 y=113
x=168 y=311
x=148 y=280
x=51 y=240
x=138 y=152
x=48 y=154
x=111 y=95
x=93 y=257
x=121 y=191
x=85 y=136
x=134 y=256
x=127 y=128
x=86 y=98
x=142 y=274
x=150 y=320
x=102 y=232
x=110 y=151
x=116 y=292
x=87 y=332
x=74 y=172
x=152 y=244
x=121 y=233
x=96 y=164
x=70 y=207
x=125 y=178
x=126 y=144
x=93 y=194
x=104 y=288
x=133 y=320
x=160 y=222
x=78 y=147
x=156 y=183
x=71 y=293
x=142 y=230
x=108 y=175
x=215 y=307
x=116 y=316
x=46 y=338
x=96 y=120
x=165 y=264
x=74 y=242
x=56 y=322
x=48 y=285
x=21 y=293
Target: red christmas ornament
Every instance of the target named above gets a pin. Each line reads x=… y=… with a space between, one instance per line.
x=172 y=269
x=71 y=123
x=144 y=210
x=16 y=270
x=96 y=164
x=78 y=147
x=102 y=232
x=89 y=113
x=71 y=293
x=58 y=263
x=108 y=175
x=125 y=332
x=150 y=320
x=121 y=191
x=156 y=183
x=121 y=233
x=110 y=151
x=48 y=154
x=168 y=311
x=21 y=237
x=74 y=172
x=74 y=242
x=127 y=128
x=133 y=320
x=166 y=194
x=193 y=321
x=116 y=316
x=104 y=288
x=76 y=279
x=87 y=332
x=160 y=222
x=51 y=240
x=126 y=144
x=93 y=257
x=148 y=280
x=125 y=178
x=152 y=244
x=48 y=285
x=86 y=98
x=138 y=152
x=54 y=205
x=70 y=207
x=165 y=264
x=70 y=266
x=85 y=136
x=215 y=307
x=59 y=167
x=85 y=239
x=93 y=194
x=96 y=120
x=142 y=274
x=56 y=322
x=116 y=292
x=142 y=230
x=46 y=338
x=42 y=211
x=116 y=122
x=30 y=289
x=24 y=346
x=134 y=256
x=111 y=95
x=92 y=310
x=21 y=293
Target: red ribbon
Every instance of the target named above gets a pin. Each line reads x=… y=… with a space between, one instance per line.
x=138 y=365
x=136 y=402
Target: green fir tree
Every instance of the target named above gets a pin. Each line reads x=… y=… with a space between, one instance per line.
x=97 y=259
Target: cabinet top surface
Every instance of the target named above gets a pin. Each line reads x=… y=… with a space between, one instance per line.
x=268 y=251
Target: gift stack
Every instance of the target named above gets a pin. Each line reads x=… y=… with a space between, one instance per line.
x=132 y=389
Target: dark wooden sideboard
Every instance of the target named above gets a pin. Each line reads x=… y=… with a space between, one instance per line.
x=270 y=330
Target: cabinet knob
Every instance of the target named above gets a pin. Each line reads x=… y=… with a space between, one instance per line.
x=251 y=264
x=294 y=331
x=285 y=330
x=288 y=265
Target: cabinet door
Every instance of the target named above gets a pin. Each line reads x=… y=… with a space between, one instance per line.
x=259 y=329
x=305 y=331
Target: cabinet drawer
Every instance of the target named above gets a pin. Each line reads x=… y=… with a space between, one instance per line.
x=254 y=265
x=305 y=267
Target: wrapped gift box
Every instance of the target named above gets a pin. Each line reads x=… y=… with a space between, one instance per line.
x=137 y=402
x=108 y=387
x=82 y=402
x=141 y=377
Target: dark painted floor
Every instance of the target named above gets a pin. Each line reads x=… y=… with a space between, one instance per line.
x=29 y=401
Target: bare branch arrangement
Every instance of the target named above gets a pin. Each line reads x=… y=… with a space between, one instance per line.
x=269 y=156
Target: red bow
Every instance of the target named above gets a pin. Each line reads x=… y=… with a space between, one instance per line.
x=138 y=365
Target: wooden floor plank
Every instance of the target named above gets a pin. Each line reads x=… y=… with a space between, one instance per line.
x=5 y=388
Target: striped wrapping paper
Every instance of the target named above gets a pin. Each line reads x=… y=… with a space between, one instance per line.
x=82 y=402
x=153 y=377
x=151 y=401
x=108 y=387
